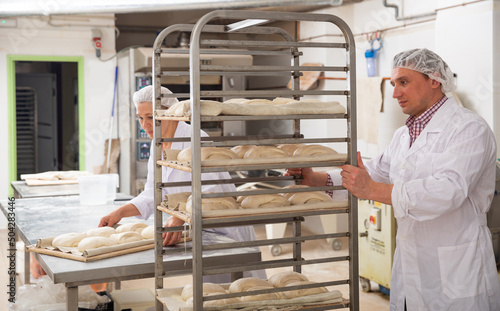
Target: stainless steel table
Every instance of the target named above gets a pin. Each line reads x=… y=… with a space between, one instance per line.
x=45 y=217
x=22 y=190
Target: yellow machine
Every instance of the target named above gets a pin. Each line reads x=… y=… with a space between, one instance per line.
x=377 y=242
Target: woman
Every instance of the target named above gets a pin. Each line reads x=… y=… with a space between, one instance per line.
x=143 y=205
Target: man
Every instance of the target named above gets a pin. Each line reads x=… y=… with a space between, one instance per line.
x=438 y=173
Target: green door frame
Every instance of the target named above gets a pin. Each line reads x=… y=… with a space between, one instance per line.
x=11 y=107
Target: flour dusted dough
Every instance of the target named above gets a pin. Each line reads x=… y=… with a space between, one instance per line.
x=313 y=150
x=290 y=148
x=212 y=204
x=183 y=108
x=208 y=289
x=235 y=101
x=243 y=284
x=95 y=242
x=71 y=175
x=208 y=153
x=101 y=231
x=309 y=197
x=282 y=279
x=264 y=201
x=287 y=195
x=265 y=152
x=136 y=227
x=241 y=150
x=283 y=100
x=261 y=297
x=126 y=237
x=305 y=291
x=258 y=101
x=148 y=232
x=68 y=239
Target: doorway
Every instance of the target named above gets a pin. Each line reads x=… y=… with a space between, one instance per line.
x=45 y=101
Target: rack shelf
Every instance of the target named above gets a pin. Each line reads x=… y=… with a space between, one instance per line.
x=266 y=41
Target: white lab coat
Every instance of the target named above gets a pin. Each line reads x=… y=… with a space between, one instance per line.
x=443 y=187
x=145 y=200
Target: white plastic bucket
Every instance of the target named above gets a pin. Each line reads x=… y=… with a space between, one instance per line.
x=97 y=189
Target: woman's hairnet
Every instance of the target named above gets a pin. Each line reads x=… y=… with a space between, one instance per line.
x=428 y=63
x=146 y=95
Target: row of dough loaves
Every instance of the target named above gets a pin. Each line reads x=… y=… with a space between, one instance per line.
x=104 y=236
x=278 y=280
x=243 y=106
x=257 y=152
x=261 y=200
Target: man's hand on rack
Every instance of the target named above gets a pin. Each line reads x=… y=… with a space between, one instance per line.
x=172 y=238
x=359 y=183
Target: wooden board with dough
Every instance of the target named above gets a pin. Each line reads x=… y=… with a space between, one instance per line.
x=95 y=254
x=171 y=298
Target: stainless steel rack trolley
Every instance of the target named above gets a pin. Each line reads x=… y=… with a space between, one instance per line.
x=249 y=33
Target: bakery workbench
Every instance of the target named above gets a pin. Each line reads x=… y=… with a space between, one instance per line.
x=46 y=217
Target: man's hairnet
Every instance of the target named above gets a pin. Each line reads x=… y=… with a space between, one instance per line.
x=146 y=95
x=428 y=63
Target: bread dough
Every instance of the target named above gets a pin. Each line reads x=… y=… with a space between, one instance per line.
x=126 y=237
x=71 y=175
x=258 y=101
x=101 y=231
x=287 y=195
x=242 y=109
x=282 y=279
x=148 y=232
x=136 y=227
x=312 y=107
x=261 y=297
x=208 y=153
x=243 y=284
x=265 y=152
x=305 y=291
x=208 y=289
x=95 y=242
x=313 y=150
x=290 y=148
x=212 y=204
x=283 y=100
x=309 y=197
x=235 y=101
x=68 y=239
x=241 y=150
x=264 y=201
x=183 y=108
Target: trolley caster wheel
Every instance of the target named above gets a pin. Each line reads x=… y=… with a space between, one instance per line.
x=365 y=284
x=336 y=244
x=275 y=250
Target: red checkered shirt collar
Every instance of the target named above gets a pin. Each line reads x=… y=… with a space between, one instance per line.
x=417 y=124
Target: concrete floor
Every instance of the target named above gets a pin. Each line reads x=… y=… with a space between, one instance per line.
x=373 y=301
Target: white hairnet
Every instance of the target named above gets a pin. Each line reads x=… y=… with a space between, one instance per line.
x=428 y=63
x=146 y=95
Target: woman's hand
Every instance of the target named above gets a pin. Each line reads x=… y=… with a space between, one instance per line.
x=172 y=238
x=115 y=216
x=111 y=219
